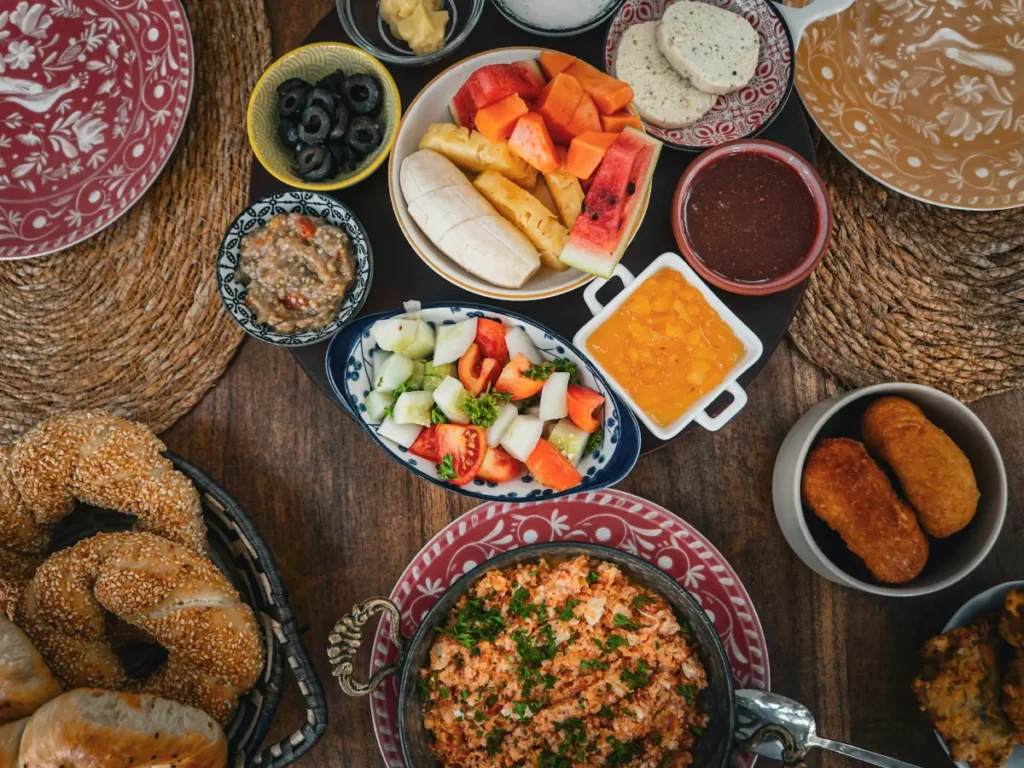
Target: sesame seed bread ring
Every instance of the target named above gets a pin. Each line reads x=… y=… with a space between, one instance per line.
x=19 y=530
x=109 y=462
x=15 y=572
x=176 y=597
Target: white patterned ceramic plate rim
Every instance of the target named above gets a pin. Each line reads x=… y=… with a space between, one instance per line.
x=604 y=466
x=165 y=150
x=233 y=293
x=496 y=527
x=742 y=114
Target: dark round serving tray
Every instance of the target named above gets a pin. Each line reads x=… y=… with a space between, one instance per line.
x=402 y=275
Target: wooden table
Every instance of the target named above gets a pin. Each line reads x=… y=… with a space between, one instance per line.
x=344 y=520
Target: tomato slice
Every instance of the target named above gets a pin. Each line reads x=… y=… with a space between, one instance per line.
x=467 y=445
x=549 y=467
x=583 y=406
x=499 y=466
x=490 y=336
x=513 y=381
x=477 y=373
x=426 y=444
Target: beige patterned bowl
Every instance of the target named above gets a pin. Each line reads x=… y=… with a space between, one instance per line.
x=311 y=62
x=926 y=97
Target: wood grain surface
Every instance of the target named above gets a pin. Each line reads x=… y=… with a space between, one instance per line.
x=344 y=520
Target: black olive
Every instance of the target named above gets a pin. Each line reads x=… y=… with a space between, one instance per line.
x=363 y=135
x=314 y=163
x=319 y=97
x=291 y=83
x=334 y=82
x=288 y=132
x=362 y=94
x=340 y=123
x=344 y=157
x=291 y=103
x=316 y=125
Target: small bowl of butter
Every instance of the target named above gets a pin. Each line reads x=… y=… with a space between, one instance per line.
x=410 y=32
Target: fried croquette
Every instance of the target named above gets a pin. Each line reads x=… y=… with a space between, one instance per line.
x=849 y=491
x=935 y=475
x=959 y=689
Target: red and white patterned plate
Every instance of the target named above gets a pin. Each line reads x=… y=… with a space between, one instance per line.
x=93 y=98
x=738 y=115
x=612 y=518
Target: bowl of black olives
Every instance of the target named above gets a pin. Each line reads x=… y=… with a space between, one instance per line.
x=324 y=116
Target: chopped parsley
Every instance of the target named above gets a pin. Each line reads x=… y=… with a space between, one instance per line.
x=574 y=738
x=592 y=577
x=437 y=416
x=464 y=694
x=697 y=730
x=543 y=371
x=588 y=664
x=474 y=623
x=446 y=469
x=605 y=712
x=624 y=753
x=494 y=739
x=425 y=688
x=479 y=716
x=532 y=654
x=549 y=759
x=688 y=692
x=566 y=613
x=641 y=600
x=639 y=678
x=614 y=642
x=483 y=409
x=623 y=621
x=594 y=442
x=519 y=709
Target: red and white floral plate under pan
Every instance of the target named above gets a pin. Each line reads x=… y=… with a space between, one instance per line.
x=93 y=98
x=612 y=518
x=738 y=115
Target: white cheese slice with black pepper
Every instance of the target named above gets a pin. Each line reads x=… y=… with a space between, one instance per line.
x=715 y=48
x=660 y=94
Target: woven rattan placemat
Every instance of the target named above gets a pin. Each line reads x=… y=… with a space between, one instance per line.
x=131 y=320
x=910 y=292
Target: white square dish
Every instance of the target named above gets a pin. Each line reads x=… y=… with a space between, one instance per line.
x=753 y=349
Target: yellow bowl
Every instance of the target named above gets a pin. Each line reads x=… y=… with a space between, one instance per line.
x=312 y=62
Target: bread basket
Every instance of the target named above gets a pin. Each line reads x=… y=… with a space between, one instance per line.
x=239 y=551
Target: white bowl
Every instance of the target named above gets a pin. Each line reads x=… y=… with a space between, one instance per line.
x=431 y=106
x=957 y=555
x=698 y=412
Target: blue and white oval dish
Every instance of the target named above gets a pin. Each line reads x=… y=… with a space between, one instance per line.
x=350 y=370
x=233 y=292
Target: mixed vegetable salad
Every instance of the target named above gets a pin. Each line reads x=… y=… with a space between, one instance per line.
x=480 y=401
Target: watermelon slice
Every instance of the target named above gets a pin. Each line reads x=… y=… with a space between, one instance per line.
x=613 y=205
x=490 y=84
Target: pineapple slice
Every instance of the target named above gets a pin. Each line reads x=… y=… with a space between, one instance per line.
x=528 y=213
x=568 y=195
x=472 y=151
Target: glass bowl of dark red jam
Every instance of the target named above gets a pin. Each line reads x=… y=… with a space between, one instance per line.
x=752 y=217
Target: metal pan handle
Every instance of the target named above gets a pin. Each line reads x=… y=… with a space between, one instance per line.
x=347 y=637
x=798 y=19
x=792 y=757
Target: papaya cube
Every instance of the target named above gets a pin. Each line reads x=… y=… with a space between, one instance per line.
x=557 y=104
x=553 y=62
x=497 y=121
x=532 y=142
x=619 y=121
x=586 y=153
x=586 y=117
x=610 y=95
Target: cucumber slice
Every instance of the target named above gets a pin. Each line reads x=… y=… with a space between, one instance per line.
x=403 y=434
x=376 y=404
x=453 y=341
x=419 y=372
x=395 y=371
x=394 y=334
x=570 y=440
x=554 y=398
x=518 y=342
x=414 y=408
x=423 y=343
x=377 y=360
x=522 y=436
x=506 y=413
x=450 y=396
x=434 y=375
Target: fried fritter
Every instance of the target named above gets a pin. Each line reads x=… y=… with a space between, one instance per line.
x=1013 y=693
x=849 y=491
x=959 y=689
x=1011 y=627
x=935 y=475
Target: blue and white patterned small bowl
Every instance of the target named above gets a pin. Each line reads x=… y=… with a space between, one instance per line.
x=233 y=293
x=350 y=371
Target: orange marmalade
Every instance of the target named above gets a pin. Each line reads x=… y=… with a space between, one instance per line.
x=666 y=346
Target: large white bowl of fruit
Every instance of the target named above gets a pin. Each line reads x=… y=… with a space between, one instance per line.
x=521 y=173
